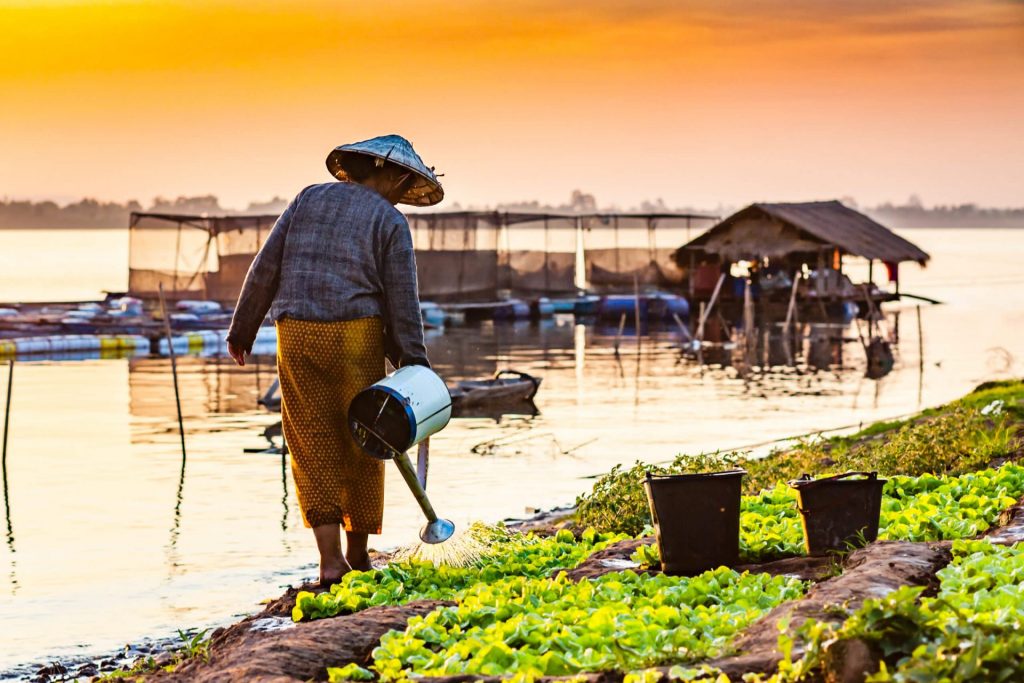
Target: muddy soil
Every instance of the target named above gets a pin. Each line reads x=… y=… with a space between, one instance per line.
x=273 y=648
x=871 y=572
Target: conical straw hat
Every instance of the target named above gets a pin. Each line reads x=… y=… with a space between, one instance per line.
x=426 y=191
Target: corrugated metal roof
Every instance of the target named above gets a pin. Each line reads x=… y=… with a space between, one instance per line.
x=830 y=223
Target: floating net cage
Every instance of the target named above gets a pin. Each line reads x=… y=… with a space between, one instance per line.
x=456 y=255
x=621 y=251
x=195 y=257
x=460 y=256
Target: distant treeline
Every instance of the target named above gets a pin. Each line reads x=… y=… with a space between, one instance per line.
x=961 y=216
x=90 y=213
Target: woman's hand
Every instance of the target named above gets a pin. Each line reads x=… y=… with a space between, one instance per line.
x=236 y=353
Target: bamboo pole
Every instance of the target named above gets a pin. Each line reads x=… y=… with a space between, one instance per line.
x=682 y=328
x=174 y=368
x=636 y=311
x=748 y=324
x=618 y=335
x=789 y=325
x=639 y=337
x=920 y=356
x=7 y=412
x=791 y=309
x=920 y=340
x=706 y=310
x=860 y=335
x=7 y=493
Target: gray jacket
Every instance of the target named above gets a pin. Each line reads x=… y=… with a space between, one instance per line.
x=340 y=251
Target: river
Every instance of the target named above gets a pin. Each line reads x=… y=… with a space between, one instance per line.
x=110 y=536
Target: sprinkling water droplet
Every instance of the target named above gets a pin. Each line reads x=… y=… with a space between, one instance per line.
x=464 y=549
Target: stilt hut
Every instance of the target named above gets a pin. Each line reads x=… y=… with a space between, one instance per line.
x=782 y=256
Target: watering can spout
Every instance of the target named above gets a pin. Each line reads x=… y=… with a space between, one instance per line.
x=438 y=531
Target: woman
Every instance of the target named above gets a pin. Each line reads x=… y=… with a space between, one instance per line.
x=338 y=275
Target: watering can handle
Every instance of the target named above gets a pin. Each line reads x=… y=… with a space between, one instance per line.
x=521 y=375
x=422 y=461
x=844 y=475
x=807 y=479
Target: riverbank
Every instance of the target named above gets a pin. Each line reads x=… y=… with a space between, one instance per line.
x=961 y=481
x=154 y=654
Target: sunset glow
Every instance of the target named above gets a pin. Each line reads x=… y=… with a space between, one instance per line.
x=697 y=102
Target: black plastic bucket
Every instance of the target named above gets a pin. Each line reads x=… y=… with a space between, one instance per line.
x=839 y=512
x=696 y=519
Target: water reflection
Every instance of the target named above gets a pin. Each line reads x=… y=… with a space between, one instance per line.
x=9 y=536
x=284 y=497
x=176 y=526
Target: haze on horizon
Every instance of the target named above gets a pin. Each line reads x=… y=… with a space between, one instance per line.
x=698 y=102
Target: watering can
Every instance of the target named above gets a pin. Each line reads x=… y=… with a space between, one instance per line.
x=401 y=411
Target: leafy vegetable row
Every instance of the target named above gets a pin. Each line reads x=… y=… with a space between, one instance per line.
x=404 y=581
x=972 y=630
x=956 y=439
x=926 y=508
x=534 y=627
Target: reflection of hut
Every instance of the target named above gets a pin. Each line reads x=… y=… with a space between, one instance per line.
x=624 y=250
x=782 y=243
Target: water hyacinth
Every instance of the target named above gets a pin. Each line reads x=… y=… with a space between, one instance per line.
x=415 y=579
x=513 y=620
x=925 y=508
x=971 y=630
x=556 y=627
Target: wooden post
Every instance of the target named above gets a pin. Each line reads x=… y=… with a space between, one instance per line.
x=766 y=342
x=693 y=266
x=174 y=369
x=790 y=310
x=821 y=273
x=867 y=295
x=748 y=324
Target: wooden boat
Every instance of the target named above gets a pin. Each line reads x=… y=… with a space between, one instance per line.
x=507 y=388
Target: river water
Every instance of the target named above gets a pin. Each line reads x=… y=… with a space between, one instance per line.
x=110 y=536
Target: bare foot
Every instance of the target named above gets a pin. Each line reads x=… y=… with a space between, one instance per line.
x=360 y=562
x=330 y=575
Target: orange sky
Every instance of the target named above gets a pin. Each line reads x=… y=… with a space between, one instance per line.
x=699 y=102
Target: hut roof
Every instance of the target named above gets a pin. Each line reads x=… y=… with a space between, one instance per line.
x=765 y=229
